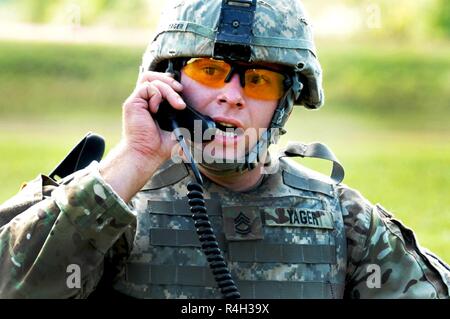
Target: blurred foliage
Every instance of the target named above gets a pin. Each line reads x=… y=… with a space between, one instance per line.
x=404 y=19
x=388 y=81
x=401 y=19
x=442 y=17
x=132 y=13
x=39 y=11
x=74 y=79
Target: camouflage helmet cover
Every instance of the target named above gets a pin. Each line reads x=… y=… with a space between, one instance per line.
x=281 y=34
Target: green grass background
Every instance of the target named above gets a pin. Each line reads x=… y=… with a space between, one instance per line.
x=386 y=118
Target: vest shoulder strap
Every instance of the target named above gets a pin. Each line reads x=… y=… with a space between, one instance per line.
x=315 y=150
x=168 y=174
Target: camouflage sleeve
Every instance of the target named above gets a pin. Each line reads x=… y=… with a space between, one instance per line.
x=59 y=233
x=384 y=258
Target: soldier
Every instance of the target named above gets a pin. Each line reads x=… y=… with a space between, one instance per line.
x=123 y=225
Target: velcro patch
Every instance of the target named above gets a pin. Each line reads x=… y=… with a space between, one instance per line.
x=242 y=223
x=297 y=217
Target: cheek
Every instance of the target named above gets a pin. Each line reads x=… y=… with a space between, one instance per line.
x=262 y=113
x=195 y=94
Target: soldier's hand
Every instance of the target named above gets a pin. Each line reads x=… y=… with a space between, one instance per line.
x=140 y=131
x=143 y=147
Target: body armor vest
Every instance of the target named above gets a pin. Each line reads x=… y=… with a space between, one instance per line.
x=284 y=239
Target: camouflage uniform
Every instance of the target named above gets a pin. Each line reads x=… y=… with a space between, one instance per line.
x=307 y=238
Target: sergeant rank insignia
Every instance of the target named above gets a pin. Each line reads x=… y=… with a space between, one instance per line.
x=242 y=224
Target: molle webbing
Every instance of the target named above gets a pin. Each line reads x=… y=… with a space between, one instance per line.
x=194 y=279
x=179 y=238
x=288 y=289
x=282 y=253
x=181 y=275
x=180 y=207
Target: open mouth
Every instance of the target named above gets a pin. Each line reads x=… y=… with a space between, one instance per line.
x=227 y=129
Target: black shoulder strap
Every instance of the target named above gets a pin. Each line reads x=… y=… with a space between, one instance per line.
x=90 y=148
x=316 y=150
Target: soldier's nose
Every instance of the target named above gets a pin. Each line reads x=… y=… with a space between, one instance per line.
x=232 y=93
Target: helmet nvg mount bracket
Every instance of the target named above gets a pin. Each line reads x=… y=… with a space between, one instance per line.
x=234 y=32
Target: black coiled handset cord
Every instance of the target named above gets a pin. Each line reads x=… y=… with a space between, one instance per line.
x=210 y=246
x=205 y=232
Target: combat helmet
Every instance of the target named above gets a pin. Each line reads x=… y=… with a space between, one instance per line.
x=271 y=31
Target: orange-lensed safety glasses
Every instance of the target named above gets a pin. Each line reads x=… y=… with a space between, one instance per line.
x=259 y=82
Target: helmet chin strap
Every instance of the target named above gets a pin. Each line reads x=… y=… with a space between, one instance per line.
x=250 y=161
x=254 y=157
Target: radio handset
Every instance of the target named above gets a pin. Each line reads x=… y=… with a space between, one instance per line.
x=170 y=119
x=185 y=118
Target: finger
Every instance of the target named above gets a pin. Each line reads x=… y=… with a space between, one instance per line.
x=167 y=78
x=143 y=95
x=169 y=94
x=155 y=100
x=146 y=91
